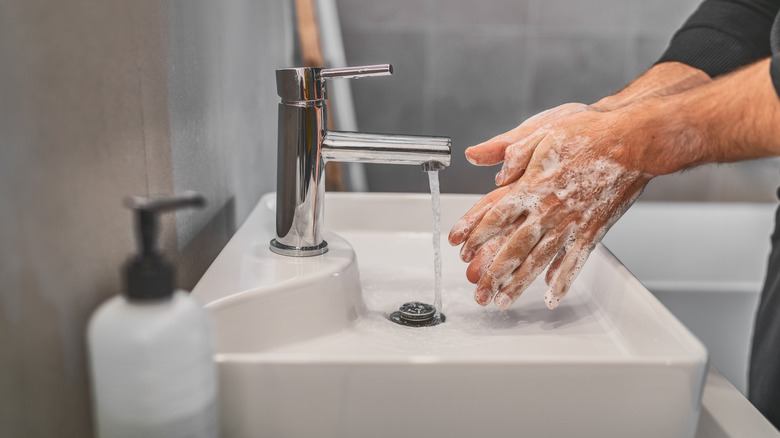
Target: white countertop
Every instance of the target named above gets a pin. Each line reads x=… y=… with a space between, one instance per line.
x=726 y=413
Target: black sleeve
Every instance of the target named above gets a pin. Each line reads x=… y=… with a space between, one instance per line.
x=774 y=70
x=723 y=35
x=774 y=66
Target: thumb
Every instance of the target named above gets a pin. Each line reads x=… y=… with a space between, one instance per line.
x=488 y=153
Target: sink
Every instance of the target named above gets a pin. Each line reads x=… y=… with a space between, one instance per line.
x=305 y=349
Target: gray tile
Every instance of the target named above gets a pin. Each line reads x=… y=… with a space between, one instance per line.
x=391 y=104
x=599 y=15
x=463 y=177
x=690 y=186
x=475 y=13
x=747 y=181
x=396 y=14
x=569 y=69
x=459 y=177
x=394 y=178
x=647 y=51
x=479 y=91
x=249 y=97
x=479 y=85
x=663 y=17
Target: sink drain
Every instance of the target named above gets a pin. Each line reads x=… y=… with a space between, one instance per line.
x=417 y=314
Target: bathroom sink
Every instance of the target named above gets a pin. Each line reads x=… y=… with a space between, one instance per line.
x=305 y=348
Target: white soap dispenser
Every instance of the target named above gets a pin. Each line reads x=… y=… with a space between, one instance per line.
x=150 y=349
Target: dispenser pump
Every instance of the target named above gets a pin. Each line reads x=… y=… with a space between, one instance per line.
x=148 y=274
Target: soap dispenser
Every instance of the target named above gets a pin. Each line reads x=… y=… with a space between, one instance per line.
x=150 y=349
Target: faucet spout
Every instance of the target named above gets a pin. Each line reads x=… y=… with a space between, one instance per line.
x=358 y=147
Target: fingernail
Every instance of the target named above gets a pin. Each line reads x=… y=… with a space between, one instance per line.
x=479 y=297
x=551 y=300
x=500 y=177
x=483 y=295
x=470 y=157
x=502 y=301
x=457 y=234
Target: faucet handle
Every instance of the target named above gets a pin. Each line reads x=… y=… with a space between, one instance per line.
x=308 y=83
x=357 y=72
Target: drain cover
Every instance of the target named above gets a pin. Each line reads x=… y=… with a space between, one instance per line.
x=416 y=314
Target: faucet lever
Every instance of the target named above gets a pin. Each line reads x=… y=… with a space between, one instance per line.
x=357 y=72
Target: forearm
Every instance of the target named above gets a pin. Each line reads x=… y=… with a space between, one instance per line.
x=662 y=79
x=733 y=118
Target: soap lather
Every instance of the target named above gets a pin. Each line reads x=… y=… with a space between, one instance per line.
x=151 y=349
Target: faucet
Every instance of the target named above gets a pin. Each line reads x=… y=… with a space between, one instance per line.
x=305 y=145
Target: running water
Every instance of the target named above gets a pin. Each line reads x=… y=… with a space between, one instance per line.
x=433 y=179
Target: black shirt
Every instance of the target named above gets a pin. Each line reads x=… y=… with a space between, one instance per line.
x=719 y=37
x=723 y=35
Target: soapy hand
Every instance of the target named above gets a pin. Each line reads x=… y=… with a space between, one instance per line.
x=573 y=173
x=516 y=147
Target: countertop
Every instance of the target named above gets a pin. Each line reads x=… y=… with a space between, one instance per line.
x=726 y=413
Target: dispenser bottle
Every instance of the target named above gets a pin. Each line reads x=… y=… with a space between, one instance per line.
x=151 y=356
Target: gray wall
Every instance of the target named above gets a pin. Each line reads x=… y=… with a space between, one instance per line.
x=473 y=69
x=100 y=100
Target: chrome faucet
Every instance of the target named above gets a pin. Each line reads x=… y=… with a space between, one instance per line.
x=305 y=145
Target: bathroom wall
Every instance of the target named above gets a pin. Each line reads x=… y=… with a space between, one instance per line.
x=99 y=100
x=471 y=70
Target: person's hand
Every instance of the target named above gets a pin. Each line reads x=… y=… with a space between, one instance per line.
x=568 y=174
x=582 y=173
x=515 y=147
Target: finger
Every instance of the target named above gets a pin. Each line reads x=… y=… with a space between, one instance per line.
x=565 y=246
x=463 y=228
x=482 y=260
x=516 y=158
x=493 y=151
x=564 y=276
x=498 y=221
x=490 y=152
x=514 y=253
x=480 y=263
x=554 y=265
x=539 y=258
x=508 y=214
x=509 y=258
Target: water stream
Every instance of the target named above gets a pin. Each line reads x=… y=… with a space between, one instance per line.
x=415 y=313
x=433 y=180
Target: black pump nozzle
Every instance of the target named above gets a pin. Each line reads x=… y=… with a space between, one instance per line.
x=148 y=274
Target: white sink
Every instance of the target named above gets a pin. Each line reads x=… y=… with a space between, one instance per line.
x=305 y=349
x=706 y=263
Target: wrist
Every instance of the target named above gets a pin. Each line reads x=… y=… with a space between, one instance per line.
x=660 y=136
x=610 y=103
x=664 y=79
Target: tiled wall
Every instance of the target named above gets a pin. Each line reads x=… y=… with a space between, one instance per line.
x=473 y=69
x=100 y=99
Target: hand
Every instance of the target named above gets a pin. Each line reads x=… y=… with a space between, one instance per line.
x=569 y=173
x=516 y=147
x=583 y=172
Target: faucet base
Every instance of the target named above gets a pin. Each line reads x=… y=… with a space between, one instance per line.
x=298 y=251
